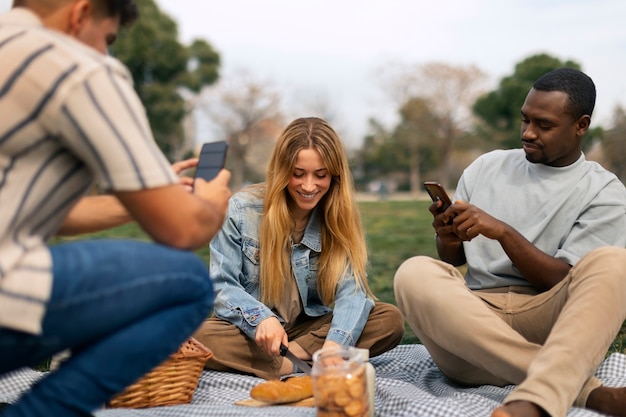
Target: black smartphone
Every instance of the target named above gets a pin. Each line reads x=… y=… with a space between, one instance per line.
x=437 y=193
x=211 y=159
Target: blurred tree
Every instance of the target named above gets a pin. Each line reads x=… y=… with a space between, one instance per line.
x=376 y=157
x=404 y=153
x=160 y=67
x=500 y=109
x=448 y=91
x=416 y=137
x=246 y=113
x=614 y=145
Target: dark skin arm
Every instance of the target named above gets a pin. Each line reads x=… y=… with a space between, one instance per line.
x=463 y=222
x=449 y=245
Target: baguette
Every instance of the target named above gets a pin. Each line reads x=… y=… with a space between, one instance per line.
x=279 y=392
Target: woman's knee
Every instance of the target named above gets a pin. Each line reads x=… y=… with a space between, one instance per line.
x=396 y=326
x=392 y=320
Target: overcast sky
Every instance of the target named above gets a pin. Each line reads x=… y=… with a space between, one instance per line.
x=332 y=49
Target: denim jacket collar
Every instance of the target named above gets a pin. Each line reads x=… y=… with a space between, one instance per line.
x=313 y=233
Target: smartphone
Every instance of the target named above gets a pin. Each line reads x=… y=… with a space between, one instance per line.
x=211 y=160
x=437 y=193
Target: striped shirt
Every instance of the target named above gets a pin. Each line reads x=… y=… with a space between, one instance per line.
x=69 y=117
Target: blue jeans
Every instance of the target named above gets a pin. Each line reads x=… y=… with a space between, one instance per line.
x=122 y=307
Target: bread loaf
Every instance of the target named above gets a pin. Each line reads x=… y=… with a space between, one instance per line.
x=278 y=392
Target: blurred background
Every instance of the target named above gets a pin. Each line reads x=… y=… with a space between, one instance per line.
x=416 y=89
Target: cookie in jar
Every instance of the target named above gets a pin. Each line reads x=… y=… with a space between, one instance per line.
x=340 y=385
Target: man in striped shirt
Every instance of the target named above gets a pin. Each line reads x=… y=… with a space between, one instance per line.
x=69 y=118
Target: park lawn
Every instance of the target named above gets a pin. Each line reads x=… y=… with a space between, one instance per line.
x=395 y=231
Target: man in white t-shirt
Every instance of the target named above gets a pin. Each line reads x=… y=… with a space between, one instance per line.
x=542 y=231
x=71 y=118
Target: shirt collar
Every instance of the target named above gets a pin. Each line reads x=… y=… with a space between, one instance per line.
x=21 y=16
x=313 y=233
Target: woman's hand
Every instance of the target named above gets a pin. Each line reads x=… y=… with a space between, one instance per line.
x=331 y=360
x=329 y=344
x=269 y=335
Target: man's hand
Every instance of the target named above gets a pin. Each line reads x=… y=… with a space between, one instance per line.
x=442 y=224
x=468 y=221
x=269 y=335
x=215 y=191
x=175 y=217
x=181 y=166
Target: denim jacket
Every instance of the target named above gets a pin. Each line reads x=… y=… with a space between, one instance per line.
x=235 y=272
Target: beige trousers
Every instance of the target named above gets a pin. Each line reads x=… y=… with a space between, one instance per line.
x=234 y=351
x=549 y=344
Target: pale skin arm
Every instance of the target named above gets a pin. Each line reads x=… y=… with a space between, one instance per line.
x=93 y=214
x=171 y=215
x=101 y=212
x=466 y=221
x=174 y=217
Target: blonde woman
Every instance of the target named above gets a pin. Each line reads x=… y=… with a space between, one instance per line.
x=289 y=265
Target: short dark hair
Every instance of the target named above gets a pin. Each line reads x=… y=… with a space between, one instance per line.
x=125 y=9
x=578 y=86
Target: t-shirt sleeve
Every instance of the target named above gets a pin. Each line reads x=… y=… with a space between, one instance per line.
x=601 y=223
x=468 y=179
x=104 y=123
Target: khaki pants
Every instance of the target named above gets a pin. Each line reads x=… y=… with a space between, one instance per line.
x=549 y=344
x=234 y=351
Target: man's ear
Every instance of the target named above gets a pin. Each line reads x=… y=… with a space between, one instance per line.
x=582 y=125
x=80 y=12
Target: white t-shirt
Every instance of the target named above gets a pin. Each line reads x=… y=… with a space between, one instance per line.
x=566 y=212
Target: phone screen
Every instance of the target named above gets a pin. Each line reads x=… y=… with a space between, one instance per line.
x=436 y=193
x=211 y=160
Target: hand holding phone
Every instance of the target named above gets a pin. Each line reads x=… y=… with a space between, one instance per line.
x=438 y=193
x=211 y=160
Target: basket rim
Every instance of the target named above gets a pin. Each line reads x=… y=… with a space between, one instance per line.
x=140 y=394
x=192 y=348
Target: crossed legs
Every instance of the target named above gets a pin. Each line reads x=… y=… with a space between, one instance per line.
x=486 y=333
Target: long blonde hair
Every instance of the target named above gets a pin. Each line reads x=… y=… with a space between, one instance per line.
x=343 y=242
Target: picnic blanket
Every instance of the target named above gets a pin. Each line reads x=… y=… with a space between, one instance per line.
x=407 y=384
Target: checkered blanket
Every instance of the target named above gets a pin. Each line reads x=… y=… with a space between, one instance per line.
x=407 y=384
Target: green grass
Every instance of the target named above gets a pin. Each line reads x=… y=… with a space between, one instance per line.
x=395 y=231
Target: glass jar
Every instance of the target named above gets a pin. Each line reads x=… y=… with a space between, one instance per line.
x=370 y=374
x=340 y=386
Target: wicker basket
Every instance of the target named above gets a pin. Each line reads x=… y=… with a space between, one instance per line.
x=173 y=382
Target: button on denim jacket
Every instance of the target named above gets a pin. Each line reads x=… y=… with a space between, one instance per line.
x=234 y=268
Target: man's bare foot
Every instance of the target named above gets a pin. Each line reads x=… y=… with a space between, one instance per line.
x=608 y=400
x=518 y=409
